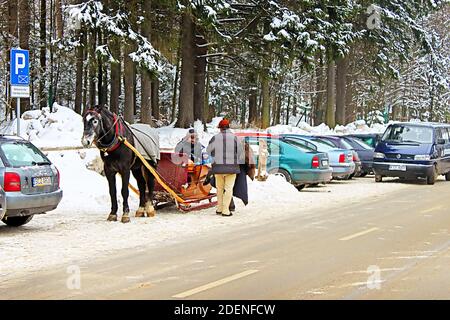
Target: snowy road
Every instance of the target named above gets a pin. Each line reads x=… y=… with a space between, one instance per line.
x=398 y=240
x=77 y=231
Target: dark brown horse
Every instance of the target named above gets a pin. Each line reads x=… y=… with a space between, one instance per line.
x=102 y=128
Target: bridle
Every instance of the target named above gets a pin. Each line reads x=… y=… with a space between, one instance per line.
x=119 y=132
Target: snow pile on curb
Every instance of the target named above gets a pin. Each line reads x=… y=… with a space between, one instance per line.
x=61 y=128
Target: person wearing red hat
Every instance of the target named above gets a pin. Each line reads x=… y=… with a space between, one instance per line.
x=227 y=151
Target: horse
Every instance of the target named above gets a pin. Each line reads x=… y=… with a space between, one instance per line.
x=105 y=130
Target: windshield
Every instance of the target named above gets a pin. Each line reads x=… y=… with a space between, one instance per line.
x=19 y=154
x=408 y=134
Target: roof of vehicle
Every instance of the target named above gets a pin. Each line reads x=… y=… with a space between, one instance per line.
x=7 y=137
x=423 y=124
x=256 y=134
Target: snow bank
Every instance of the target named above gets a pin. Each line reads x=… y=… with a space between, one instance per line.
x=61 y=128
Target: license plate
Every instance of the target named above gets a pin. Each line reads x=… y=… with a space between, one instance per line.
x=324 y=163
x=397 y=167
x=41 y=181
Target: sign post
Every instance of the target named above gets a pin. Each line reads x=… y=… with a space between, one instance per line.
x=20 y=78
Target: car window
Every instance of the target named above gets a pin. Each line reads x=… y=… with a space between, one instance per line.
x=401 y=133
x=322 y=146
x=362 y=144
x=346 y=145
x=445 y=134
x=299 y=144
x=325 y=142
x=19 y=154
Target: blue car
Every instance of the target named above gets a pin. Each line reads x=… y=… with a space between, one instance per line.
x=299 y=165
x=413 y=150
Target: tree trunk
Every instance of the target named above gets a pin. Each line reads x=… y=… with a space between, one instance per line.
x=186 y=99
x=331 y=81
x=146 y=85
x=252 y=99
x=116 y=75
x=129 y=70
x=42 y=54
x=59 y=19
x=24 y=36
x=12 y=30
x=341 y=87
x=200 y=74
x=92 y=67
x=265 y=97
x=320 y=87
x=155 y=99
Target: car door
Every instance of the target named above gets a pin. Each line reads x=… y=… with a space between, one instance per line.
x=274 y=158
x=446 y=152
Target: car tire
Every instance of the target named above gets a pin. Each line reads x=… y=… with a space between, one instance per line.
x=447 y=176
x=431 y=179
x=300 y=187
x=17 y=221
x=363 y=174
x=378 y=178
x=283 y=173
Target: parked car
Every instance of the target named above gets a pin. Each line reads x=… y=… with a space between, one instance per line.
x=413 y=150
x=341 y=160
x=29 y=182
x=371 y=139
x=365 y=154
x=299 y=165
x=339 y=142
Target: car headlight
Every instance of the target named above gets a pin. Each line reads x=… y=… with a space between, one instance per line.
x=378 y=155
x=422 y=157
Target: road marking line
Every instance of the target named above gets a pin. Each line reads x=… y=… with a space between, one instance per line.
x=359 y=234
x=214 y=284
x=432 y=209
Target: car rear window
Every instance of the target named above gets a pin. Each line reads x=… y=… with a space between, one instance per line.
x=20 y=154
x=362 y=144
x=299 y=145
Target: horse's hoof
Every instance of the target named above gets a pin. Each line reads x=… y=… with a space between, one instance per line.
x=112 y=217
x=140 y=213
x=125 y=219
x=150 y=210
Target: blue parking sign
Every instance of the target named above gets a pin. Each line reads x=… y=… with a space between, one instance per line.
x=20 y=67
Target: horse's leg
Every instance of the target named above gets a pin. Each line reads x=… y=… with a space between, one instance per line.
x=125 y=194
x=137 y=173
x=111 y=176
x=149 y=209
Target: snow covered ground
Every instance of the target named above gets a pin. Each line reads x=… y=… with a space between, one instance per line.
x=78 y=231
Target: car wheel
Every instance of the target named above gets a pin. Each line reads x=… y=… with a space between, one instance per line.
x=378 y=178
x=300 y=187
x=363 y=174
x=431 y=179
x=283 y=173
x=17 y=221
x=447 y=176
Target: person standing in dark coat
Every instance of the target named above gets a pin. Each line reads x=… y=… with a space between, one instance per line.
x=227 y=151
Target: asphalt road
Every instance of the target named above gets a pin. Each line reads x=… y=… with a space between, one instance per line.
x=389 y=247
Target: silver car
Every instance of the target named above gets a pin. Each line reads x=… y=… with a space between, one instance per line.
x=29 y=182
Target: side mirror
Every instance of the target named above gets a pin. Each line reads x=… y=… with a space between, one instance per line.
x=440 y=141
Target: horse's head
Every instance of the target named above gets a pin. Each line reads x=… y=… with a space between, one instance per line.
x=92 y=121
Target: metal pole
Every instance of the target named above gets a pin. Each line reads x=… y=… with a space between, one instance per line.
x=18 y=116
